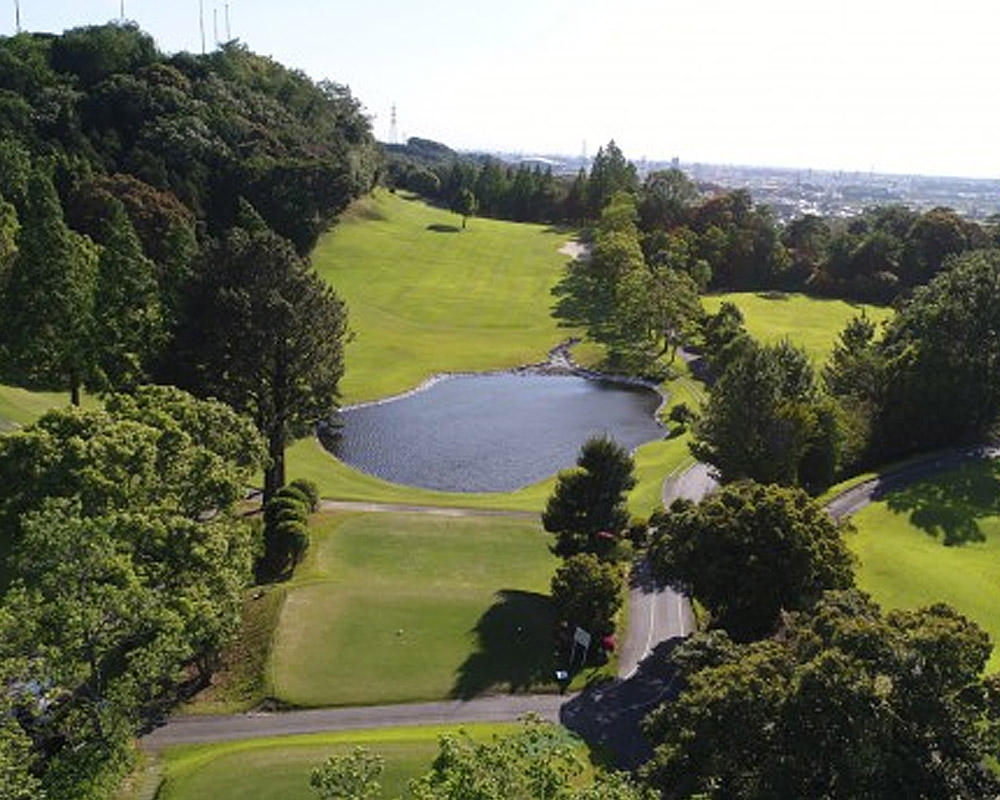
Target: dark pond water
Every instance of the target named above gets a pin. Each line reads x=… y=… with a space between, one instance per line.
x=492 y=433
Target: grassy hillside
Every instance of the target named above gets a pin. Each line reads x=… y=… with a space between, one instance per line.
x=810 y=322
x=937 y=541
x=426 y=297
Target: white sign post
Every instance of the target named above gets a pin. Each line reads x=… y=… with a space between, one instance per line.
x=581 y=638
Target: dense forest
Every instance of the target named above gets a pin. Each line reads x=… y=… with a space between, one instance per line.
x=156 y=216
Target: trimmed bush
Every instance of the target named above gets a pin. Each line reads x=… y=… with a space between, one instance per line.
x=309 y=489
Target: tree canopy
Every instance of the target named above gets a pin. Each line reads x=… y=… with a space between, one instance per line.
x=126 y=563
x=749 y=552
x=266 y=335
x=847 y=702
x=586 y=510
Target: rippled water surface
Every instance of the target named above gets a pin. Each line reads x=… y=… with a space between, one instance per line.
x=492 y=433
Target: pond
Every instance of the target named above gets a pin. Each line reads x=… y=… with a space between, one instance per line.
x=493 y=432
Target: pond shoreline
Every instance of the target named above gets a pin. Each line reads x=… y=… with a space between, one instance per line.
x=558 y=362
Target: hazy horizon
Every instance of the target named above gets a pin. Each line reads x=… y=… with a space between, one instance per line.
x=886 y=87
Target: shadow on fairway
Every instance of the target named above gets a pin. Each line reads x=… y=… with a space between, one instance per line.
x=950 y=508
x=438 y=228
x=609 y=716
x=514 y=646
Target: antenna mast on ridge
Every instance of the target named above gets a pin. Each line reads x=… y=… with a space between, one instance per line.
x=393 y=129
x=17 y=15
x=229 y=32
x=215 y=24
x=201 y=23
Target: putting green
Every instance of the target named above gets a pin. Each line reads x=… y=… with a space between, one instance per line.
x=810 y=322
x=391 y=608
x=937 y=541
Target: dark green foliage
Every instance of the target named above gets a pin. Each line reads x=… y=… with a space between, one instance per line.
x=286 y=530
x=846 y=703
x=586 y=510
x=204 y=129
x=464 y=204
x=610 y=173
x=749 y=552
x=539 y=761
x=587 y=592
x=129 y=328
x=941 y=358
x=47 y=304
x=767 y=420
x=309 y=489
x=265 y=333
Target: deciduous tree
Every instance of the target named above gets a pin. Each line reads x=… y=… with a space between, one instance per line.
x=846 y=703
x=749 y=552
x=587 y=593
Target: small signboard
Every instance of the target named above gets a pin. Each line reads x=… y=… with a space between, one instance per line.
x=582 y=638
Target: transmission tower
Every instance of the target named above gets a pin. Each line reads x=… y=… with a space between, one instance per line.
x=393 y=128
x=229 y=32
x=17 y=16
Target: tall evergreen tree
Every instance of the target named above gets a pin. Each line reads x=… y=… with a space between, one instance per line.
x=48 y=301
x=266 y=335
x=128 y=319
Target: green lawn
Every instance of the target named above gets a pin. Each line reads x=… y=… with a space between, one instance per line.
x=20 y=407
x=390 y=608
x=279 y=768
x=810 y=322
x=424 y=297
x=937 y=541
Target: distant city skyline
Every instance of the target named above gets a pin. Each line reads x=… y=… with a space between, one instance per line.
x=881 y=85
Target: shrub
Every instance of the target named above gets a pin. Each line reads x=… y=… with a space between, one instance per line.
x=309 y=489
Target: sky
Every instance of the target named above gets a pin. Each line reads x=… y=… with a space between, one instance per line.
x=905 y=86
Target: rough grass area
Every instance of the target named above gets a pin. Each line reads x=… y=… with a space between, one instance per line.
x=279 y=768
x=241 y=682
x=391 y=608
x=426 y=297
x=937 y=541
x=810 y=322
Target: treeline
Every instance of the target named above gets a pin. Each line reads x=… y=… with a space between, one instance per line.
x=126 y=177
x=722 y=237
x=928 y=380
x=155 y=219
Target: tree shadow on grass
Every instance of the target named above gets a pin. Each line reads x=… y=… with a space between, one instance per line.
x=951 y=508
x=514 y=646
x=581 y=301
x=437 y=227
